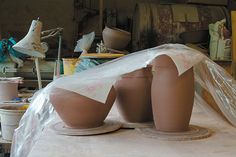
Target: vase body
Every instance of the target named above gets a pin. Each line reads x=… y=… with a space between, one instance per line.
x=78 y=111
x=134 y=96
x=172 y=96
x=116 y=38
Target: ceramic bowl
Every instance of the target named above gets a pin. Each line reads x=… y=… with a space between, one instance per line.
x=115 y=38
x=78 y=111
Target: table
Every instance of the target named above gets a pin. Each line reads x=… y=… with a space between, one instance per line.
x=129 y=143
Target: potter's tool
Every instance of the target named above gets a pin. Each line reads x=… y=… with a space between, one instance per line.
x=108 y=126
x=194 y=133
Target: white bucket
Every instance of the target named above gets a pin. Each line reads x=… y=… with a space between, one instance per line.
x=10 y=118
x=9 y=88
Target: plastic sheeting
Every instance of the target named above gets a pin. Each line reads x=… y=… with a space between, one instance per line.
x=85 y=64
x=96 y=82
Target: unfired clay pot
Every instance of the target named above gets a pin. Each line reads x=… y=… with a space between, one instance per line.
x=172 y=96
x=78 y=111
x=8 y=91
x=134 y=96
x=115 y=38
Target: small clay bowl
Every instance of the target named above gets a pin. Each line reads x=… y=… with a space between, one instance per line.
x=115 y=38
x=78 y=111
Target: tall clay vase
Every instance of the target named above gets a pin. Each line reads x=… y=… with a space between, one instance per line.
x=78 y=111
x=172 y=96
x=134 y=96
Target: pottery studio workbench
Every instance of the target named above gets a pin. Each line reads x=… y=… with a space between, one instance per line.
x=130 y=143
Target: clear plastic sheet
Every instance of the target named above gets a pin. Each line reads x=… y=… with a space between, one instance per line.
x=220 y=85
x=102 y=77
x=96 y=82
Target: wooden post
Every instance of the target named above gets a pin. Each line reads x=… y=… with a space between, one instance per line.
x=233 y=20
x=101 y=16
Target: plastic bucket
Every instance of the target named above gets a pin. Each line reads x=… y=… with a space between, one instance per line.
x=10 y=118
x=69 y=65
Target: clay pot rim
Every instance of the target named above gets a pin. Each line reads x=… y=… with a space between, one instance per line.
x=118 y=30
x=85 y=97
x=137 y=76
x=145 y=72
x=155 y=63
x=11 y=109
x=162 y=66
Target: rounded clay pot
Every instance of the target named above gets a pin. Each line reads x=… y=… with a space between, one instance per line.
x=8 y=91
x=78 y=111
x=115 y=38
x=172 y=96
x=134 y=96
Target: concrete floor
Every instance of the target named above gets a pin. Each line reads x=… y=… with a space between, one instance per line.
x=129 y=143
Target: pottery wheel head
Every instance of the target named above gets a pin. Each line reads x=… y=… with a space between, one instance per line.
x=194 y=133
x=108 y=126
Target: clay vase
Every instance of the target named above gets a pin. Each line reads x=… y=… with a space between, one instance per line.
x=115 y=38
x=78 y=111
x=134 y=96
x=172 y=96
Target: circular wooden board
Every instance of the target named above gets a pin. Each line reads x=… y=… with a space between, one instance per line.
x=194 y=133
x=108 y=126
